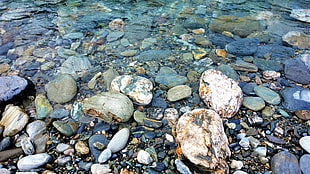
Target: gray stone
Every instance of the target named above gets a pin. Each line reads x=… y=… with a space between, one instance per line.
x=260 y=151
x=285 y=162
x=33 y=161
x=115 y=35
x=5 y=171
x=249 y=88
x=274 y=52
x=63 y=160
x=268 y=95
x=268 y=65
x=228 y=71
x=100 y=168
x=301 y=14
x=298 y=69
x=305 y=143
x=109 y=106
x=93 y=141
x=108 y=76
x=67 y=128
x=59 y=113
x=154 y=55
x=304 y=163
x=179 y=92
x=138 y=28
x=27 y=146
x=62 y=89
x=181 y=167
x=243 y=47
x=74 y=35
x=105 y=155
x=144 y=157
x=61 y=147
x=119 y=140
x=41 y=142
x=220 y=40
x=296 y=98
x=169 y=77
x=298 y=39
x=5 y=143
x=77 y=66
x=139 y=116
x=245 y=66
x=4 y=48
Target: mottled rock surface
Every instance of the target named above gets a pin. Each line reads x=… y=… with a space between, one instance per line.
x=243 y=47
x=298 y=39
x=203 y=141
x=220 y=93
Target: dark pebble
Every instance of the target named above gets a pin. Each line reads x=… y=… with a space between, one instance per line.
x=243 y=47
x=97 y=138
x=296 y=70
x=285 y=162
x=275 y=139
x=158 y=166
x=249 y=88
x=59 y=113
x=149 y=134
x=220 y=40
x=138 y=131
x=151 y=171
x=5 y=48
x=152 y=123
x=101 y=126
x=11 y=153
x=5 y=143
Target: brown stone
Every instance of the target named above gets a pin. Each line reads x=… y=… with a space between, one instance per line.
x=11 y=153
x=303 y=114
x=201 y=135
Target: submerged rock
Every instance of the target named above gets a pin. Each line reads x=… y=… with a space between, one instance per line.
x=298 y=69
x=301 y=14
x=202 y=138
x=296 y=38
x=243 y=47
x=43 y=107
x=220 y=93
x=77 y=66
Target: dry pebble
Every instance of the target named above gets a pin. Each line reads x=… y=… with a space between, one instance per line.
x=144 y=157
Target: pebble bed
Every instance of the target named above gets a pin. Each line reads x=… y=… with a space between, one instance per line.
x=108 y=86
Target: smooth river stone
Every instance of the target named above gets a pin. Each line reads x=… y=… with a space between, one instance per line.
x=104 y=155
x=33 y=161
x=119 y=140
x=284 y=162
x=144 y=157
x=220 y=93
x=305 y=143
x=253 y=103
x=268 y=95
x=67 y=128
x=43 y=107
x=304 y=163
x=179 y=92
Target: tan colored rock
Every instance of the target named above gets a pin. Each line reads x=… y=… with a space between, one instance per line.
x=14 y=120
x=220 y=93
x=179 y=92
x=202 y=139
x=296 y=38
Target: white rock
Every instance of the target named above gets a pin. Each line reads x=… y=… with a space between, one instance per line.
x=35 y=129
x=169 y=137
x=104 y=156
x=305 y=143
x=100 y=169
x=27 y=146
x=240 y=172
x=260 y=151
x=236 y=164
x=144 y=157
x=33 y=161
x=244 y=142
x=241 y=135
x=119 y=140
x=172 y=115
x=61 y=147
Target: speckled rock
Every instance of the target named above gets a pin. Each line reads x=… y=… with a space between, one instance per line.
x=81 y=147
x=296 y=38
x=138 y=88
x=33 y=161
x=14 y=119
x=119 y=140
x=220 y=93
x=172 y=116
x=181 y=167
x=179 y=92
x=43 y=107
x=62 y=89
x=305 y=143
x=253 y=103
x=285 y=162
x=109 y=106
x=268 y=95
x=200 y=133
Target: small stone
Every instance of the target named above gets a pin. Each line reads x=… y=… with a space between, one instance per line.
x=119 y=140
x=114 y=36
x=236 y=164
x=4 y=171
x=240 y=172
x=171 y=115
x=268 y=95
x=245 y=66
x=81 y=147
x=169 y=77
x=158 y=166
x=243 y=47
x=298 y=69
x=285 y=162
x=97 y=138
x=129 y=53
x=4 y=67
x=67 y=128
x=27 y=146
x=11 y=153
x=305 y=143
x=244 y=142
x=303 y=114
x=5 y=143
x=108 y=77
x=59 y=113
x=298 y=39
x=91 y=84
x=35 y=129
x=144 y=157
x=43 y=107
x=181 y=167
x=179 y=92
x=260 y=151
x=139 y=116
x=136 y=87
x=76 y=66
x=271 y=75
x=152 y=123
x=304 y=163
x=33 y=161
x=100 y=168
x=296 y=98
x=220 y=93
x=105 y=155
x=40 y=143
x=116 y=24
x=275 y=139
x=61 y=147
x=63 y=160
x=13 y=119
x=253 y=103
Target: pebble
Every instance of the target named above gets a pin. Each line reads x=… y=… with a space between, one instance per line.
x=181 y=167
x=275 y=139
x=138 y=88
x=5 y=143
x=172 y=116
x=229 y=71
x=61 y=89
x=81 y=147
x=77 y=66
x=243 y=47
x=33 y=161
x=304 y=163
x=301 y=14
x=59 y=113
x=144 y=157
x=4 y=171
x=169 y=77
x=284 y=162
x=100 y=168
x=119 y=140
x=152 y=123
x=43 y=107
x=14 y=119
x=305 y=143
x=35 y=129
x=63 y=160
x=4 y=48
x=298 y=39
x=244 y=142
x=139 y=116
x=296 y=98
x=67 y=128
x=40 y=143
x=260 y=151
x=245 y=66
x=268 y=65
x=129 y=53
x=297 y=70
x=220 y=93
x=236 y=164
x=268 y=95
x=97 y=138
x=115 y=35
x=253 y=103
x=27 y=146
x=275 y=52
x=240 y=172
x=61 y=147
x=178 y=93
x=303 y=114
x=11 y=153
x=105 y=155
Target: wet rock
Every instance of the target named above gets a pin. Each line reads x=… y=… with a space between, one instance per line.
x=245 y=66
x=40 y=143
x=303 y=114
x=268 y=95
x=169 y=77
x=114 y=36
x=296 y=98
x=152 y=123
x=97 y=139
x=298 y=39
x=301 y=14
x=11 y=153
x=150 y=55
x=179 y=92
x=63 y=160
x=100 y=168
x=4 y=48
x=305 y=143
x=81 y=147
x=109 y=106
x=139 y=116
x=253 y=103
x=61 y=147
x=5 y=143
x=144 y=157
x=201 y=136
x=275 y=139
x=77 y=66
x=138 y=29
x=274 y=52
x=108 y=76
x=43 y=107
x=285 y=162
x=236 y=164
x=304 y=163
x=243 y=47
x=181 y=167
x=228 y=71
x=136 y=87
x=119 y=140
x=11 y=86
x=67 y=128
x=249 y=88
x=36 y=129
x=129 y=53
x=14 y=119
x=220 y=93
x=74 y=35
x=62 y=89
x=242 y=26
x=268 y=65
x=298 y=69
x=220 y=40
x=33 y=161
x=172 y=116
x=105 y=155
x=59 y=113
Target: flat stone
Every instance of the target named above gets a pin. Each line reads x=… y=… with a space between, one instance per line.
x=169 y=77
x=77 y=66
x=119 y=140
x=298 y=39
x=67 y=128
x=115 y=35
x=268 y=95
x=220 y=93
x=14 y=119
x=275 y=139
x=305 y=143
x=11 y=153
x=150 y=55
x=172 y=116
x=109 y=106
x=296 y=98
x=61 y=147
x=105 y=155
x=43 y=107
x=249 y=88
x=268 y=65
x=61 y=89
x=139 y=116
x=5 y=171
x=63 y=160
x=27 y=146
x=4 y=48
x=152 y=123
x=59 y=113
x=220 y=40
x=243 y=47
x=33 y=161
x=241 y=65
x=40 y=143
x=97 y=139
x=138 y=88
x=73 y=35
x=303 y=114
x=304 y=163
x=253 y=103
x=274 y=52
x=285 y=162
x=5 y=143
x=298 y=69
x=181 y=167
x=228 y=71
x=129 y=53
x=108 y=76
x=179 y=92
x=200 y=133
x=144 y=157
x=36 y=129
x=301 y=14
